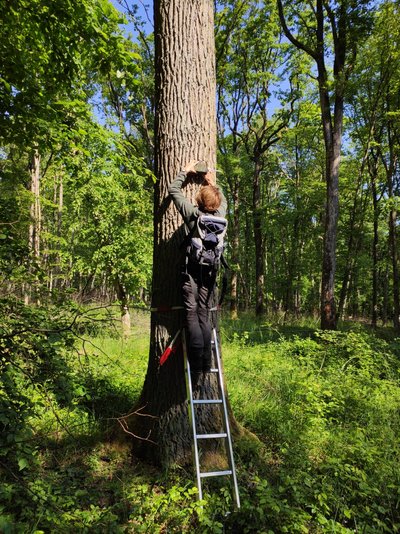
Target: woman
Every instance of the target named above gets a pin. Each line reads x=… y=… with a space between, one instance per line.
x=198 y=280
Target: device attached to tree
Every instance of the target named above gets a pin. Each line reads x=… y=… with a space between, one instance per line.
x=201 y=167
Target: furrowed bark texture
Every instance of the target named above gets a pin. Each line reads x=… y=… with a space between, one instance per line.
x=185 y=130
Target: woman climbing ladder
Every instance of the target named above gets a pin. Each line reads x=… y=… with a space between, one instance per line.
x=198 y=278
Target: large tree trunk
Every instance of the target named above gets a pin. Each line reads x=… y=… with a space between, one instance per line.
x=185 y=130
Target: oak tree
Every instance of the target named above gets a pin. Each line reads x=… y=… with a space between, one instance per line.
x=185 y=129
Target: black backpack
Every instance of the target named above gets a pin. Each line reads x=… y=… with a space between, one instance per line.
x=206 y=241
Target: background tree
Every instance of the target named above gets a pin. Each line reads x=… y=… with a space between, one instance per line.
x=348 y=25
x=48 y=127
x=252 y=67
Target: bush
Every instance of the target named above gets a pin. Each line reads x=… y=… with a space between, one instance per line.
x=328 y=409
x=323 y=405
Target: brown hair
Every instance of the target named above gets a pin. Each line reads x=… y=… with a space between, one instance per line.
x=209 y=198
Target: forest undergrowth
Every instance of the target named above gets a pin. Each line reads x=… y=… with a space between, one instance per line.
x=322 y=408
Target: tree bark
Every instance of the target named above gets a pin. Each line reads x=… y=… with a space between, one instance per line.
x=373 y=171
x=390 y=163
x=333 y=143
x=124 y=307
x=332 y=130
x=385 y=303
x=35 y=209
x=185 y=129
x=235 y=252
x=258 y=240
x=393 y=252
x=36 y=216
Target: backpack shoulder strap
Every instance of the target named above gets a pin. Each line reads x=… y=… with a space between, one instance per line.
x=188 y=237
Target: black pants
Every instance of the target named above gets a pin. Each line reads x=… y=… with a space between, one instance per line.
x=198 y=285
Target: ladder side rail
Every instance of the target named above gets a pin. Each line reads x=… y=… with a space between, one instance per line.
x=226 y=420
x=192 y=416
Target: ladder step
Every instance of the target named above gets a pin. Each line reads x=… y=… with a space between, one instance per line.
x=208 y=401
x=215 y=474
x=211 y=436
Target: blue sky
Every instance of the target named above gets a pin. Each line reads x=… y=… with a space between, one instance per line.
x=145 y=13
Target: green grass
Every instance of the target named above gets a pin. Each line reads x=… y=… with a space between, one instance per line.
x=325 y=408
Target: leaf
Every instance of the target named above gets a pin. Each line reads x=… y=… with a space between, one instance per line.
x=22 y=463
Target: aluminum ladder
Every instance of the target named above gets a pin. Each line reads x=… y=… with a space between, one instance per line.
x=225 y=434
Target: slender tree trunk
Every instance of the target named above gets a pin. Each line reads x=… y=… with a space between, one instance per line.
x=258 y=239
x=333 y=147
x=185 y=129
x=247 y=273
x=390 y=165
x=60 y=209
x=124 y=307
x=394 y=253
x=385 y=303
x=289 y=300
x=374 y=304
x=235 y=253
x=36 y=216
x=55 y=257
x=332 y=129
x=37 y=206
x=351 y=244
x=375 y=242
x=35 y=211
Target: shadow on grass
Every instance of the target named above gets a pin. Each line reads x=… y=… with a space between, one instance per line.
x=255 y=330
x=85 y=484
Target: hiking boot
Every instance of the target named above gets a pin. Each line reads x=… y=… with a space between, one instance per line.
x=196 y=377
x=207 y=361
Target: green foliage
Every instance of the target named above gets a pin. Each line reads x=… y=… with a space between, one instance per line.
x=35 y=376
x=47 y=53
x=327 y=409
x=91 y=217
x=111 y=196
x=323 y=405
